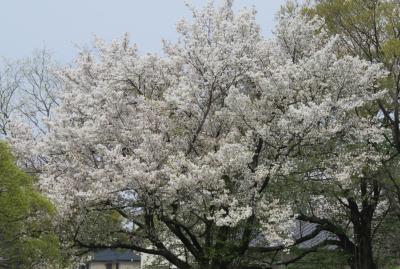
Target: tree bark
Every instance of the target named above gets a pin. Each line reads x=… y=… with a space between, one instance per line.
x=363 y=257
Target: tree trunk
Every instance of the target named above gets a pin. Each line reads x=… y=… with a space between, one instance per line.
x=363 y=258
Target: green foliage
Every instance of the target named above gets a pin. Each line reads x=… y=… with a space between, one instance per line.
x=370 y=29
x=328 y=259
x=27 y=239
x=391 y=48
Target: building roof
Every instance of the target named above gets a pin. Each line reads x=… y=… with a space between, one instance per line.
x=304 y=228
x=301 y=228
x=113 y=255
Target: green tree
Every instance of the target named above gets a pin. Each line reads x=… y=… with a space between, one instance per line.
x=27 y=239
x=369 y=29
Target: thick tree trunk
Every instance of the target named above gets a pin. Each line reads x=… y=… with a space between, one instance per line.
x=363 y=258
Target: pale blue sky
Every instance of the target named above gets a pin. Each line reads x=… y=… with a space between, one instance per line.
x=62 y=26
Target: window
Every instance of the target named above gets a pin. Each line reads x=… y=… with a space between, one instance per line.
x=109 y=266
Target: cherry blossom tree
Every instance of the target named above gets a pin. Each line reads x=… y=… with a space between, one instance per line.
x=189 y=149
